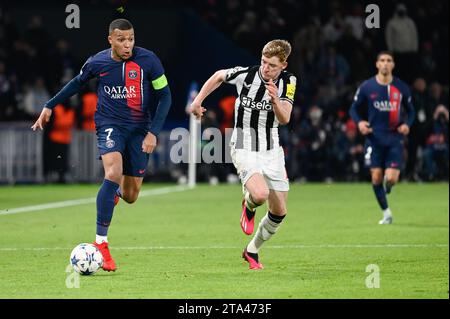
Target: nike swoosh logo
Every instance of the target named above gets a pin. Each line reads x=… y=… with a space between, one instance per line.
x=103 y=74
x=141 y=171
x=247 y=86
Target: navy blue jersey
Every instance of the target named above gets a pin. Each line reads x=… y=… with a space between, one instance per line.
x=124 y=86
x=389 y=106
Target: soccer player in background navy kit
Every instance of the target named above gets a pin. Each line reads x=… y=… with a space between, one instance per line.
x=125 y=133
x=386 y=127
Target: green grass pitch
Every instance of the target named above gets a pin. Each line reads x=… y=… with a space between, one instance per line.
x=188 y=244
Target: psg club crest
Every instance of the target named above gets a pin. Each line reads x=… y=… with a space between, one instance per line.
x=132 y=74
x=110 y=143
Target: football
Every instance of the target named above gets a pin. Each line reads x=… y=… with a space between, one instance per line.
x=86 y=259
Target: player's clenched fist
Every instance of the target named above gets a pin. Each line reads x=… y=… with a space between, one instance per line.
x=273 y=91
x=43 y=119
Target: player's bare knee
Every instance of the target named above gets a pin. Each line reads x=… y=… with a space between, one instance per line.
x=377 y=179
x=391 y=180
x=129 y=200
x=260 y=196
x=114 y=174
x=130 y=197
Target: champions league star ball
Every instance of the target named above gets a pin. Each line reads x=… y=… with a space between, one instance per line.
x=86 y=259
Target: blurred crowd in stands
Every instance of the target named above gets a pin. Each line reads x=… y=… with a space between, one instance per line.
x=33 y=66
x=332 y=53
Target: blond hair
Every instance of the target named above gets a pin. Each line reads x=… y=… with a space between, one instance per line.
x=279 y=48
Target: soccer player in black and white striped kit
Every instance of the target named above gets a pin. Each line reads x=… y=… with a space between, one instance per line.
x=265 y=98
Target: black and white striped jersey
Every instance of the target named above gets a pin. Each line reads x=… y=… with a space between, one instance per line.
x=255 y=123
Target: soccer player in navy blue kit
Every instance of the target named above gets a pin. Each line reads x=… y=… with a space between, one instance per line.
x=390 y=115
x=125 y=134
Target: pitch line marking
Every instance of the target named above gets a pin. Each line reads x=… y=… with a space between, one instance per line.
x=236 y=247
x=90 y=200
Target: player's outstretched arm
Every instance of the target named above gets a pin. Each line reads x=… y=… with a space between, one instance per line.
x=43 y=119
x=66 y=92
x=210 y=85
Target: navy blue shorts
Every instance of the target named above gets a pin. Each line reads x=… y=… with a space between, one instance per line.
x=384 y=156
x=127 y=141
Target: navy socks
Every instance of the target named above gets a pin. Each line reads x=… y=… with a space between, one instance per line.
x=380 y=194
x=105 y=206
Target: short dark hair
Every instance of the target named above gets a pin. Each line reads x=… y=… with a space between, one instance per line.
x=385 y=52
x=121 y=24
